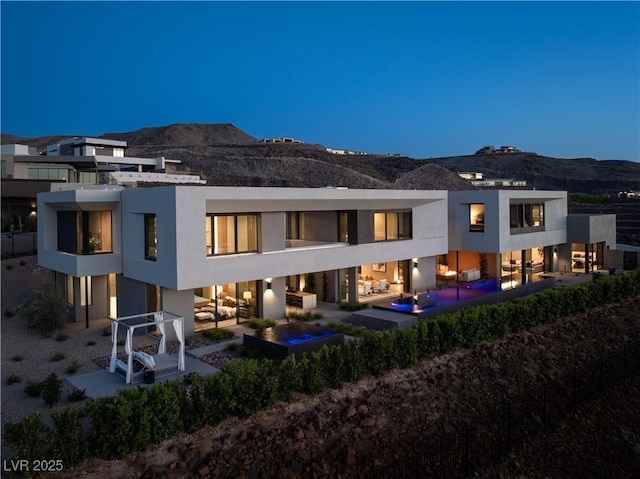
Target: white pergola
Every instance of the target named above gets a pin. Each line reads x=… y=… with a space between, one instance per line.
x=156 y=361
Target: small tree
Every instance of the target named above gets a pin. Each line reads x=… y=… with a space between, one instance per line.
x=310 y=283
x=46 y=311
x=484 y=266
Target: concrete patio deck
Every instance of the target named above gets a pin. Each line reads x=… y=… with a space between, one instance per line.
x=103 y=383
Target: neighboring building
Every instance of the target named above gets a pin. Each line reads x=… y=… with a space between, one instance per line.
x=228 y=254
x=281 y=139
x=74 y=160
x=345 y=152
x=478 y=179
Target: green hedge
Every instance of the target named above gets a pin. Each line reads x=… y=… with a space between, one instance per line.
x=139 y=417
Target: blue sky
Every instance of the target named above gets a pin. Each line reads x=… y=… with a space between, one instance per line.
x=423 y=79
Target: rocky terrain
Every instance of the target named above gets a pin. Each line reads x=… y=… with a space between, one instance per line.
x=225 y=155
x=346 y=432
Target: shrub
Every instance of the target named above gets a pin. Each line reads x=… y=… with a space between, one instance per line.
x=261 y=323
x=289 y=379
x=58 y=357
x=73 y=366
x=106 y=332
x=13 y=379
x=195 y=404
x=77 y=395
x=346 y=328
x=164 y=402
x=61 y=337
x=352 y=306
x=306 y=316
x=26 y=437
x=253 y=383
x=8 y=313
x=46 y=311
x=17 y=358
x=51 y=389
x=9 y=266
x=34 y=389
x=91 y=343
x=22 y=262
x=218 y=334
x=66 y=440
x=311 y=374
x=110 y=433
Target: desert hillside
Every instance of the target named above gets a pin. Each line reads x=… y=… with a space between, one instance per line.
x=225 y=155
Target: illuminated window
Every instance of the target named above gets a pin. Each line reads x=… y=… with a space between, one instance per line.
x=150 y=237
x=229 y=234
x=476 y=217
x=391 y=226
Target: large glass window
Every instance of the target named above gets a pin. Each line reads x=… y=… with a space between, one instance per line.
x=525 y=215
x=228 y=234
x=84 y=232
x=343 y=227
x=150 y=237
x=476 y=217
x=295 y=225
x=391 y=226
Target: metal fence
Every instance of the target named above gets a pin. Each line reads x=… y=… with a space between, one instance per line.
x=19 y=244
x=453 y=451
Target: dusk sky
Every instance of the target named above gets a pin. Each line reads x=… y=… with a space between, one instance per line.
x=424 y=79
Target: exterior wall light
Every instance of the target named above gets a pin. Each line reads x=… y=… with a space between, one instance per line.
x=268 y=281
x=415 y=263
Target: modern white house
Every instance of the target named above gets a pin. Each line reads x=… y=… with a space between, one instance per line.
x=518 y=235
x=223 y=255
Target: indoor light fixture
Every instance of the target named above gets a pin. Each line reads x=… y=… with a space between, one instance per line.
x=246 y=295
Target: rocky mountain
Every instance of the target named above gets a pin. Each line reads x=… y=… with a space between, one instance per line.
x=225 y=155
x=579 y=175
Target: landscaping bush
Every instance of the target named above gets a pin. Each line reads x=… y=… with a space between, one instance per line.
x=311 y=374
x=289 y=378
x=26 y=437
x=77 y=395
x=352 y=306
x=13 y=379
x=254 y=384
x=51 y=389
x=217 y=334
x=346 y=328
x=165 y=418
x=195 y=404
x=261 y=323
x=46 y=311
x=34 y=389
x=306 y=316
x=58 y=357
x=61 y=337
x=112 y=430
x=66 y=439
x=73 y=366
x=17 y=358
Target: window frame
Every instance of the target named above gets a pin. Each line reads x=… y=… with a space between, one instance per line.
x=147 y=237
x=474 y=213
x=212 y=231
x=401 y=220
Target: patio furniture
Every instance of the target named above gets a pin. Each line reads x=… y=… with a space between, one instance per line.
x=469 y=275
